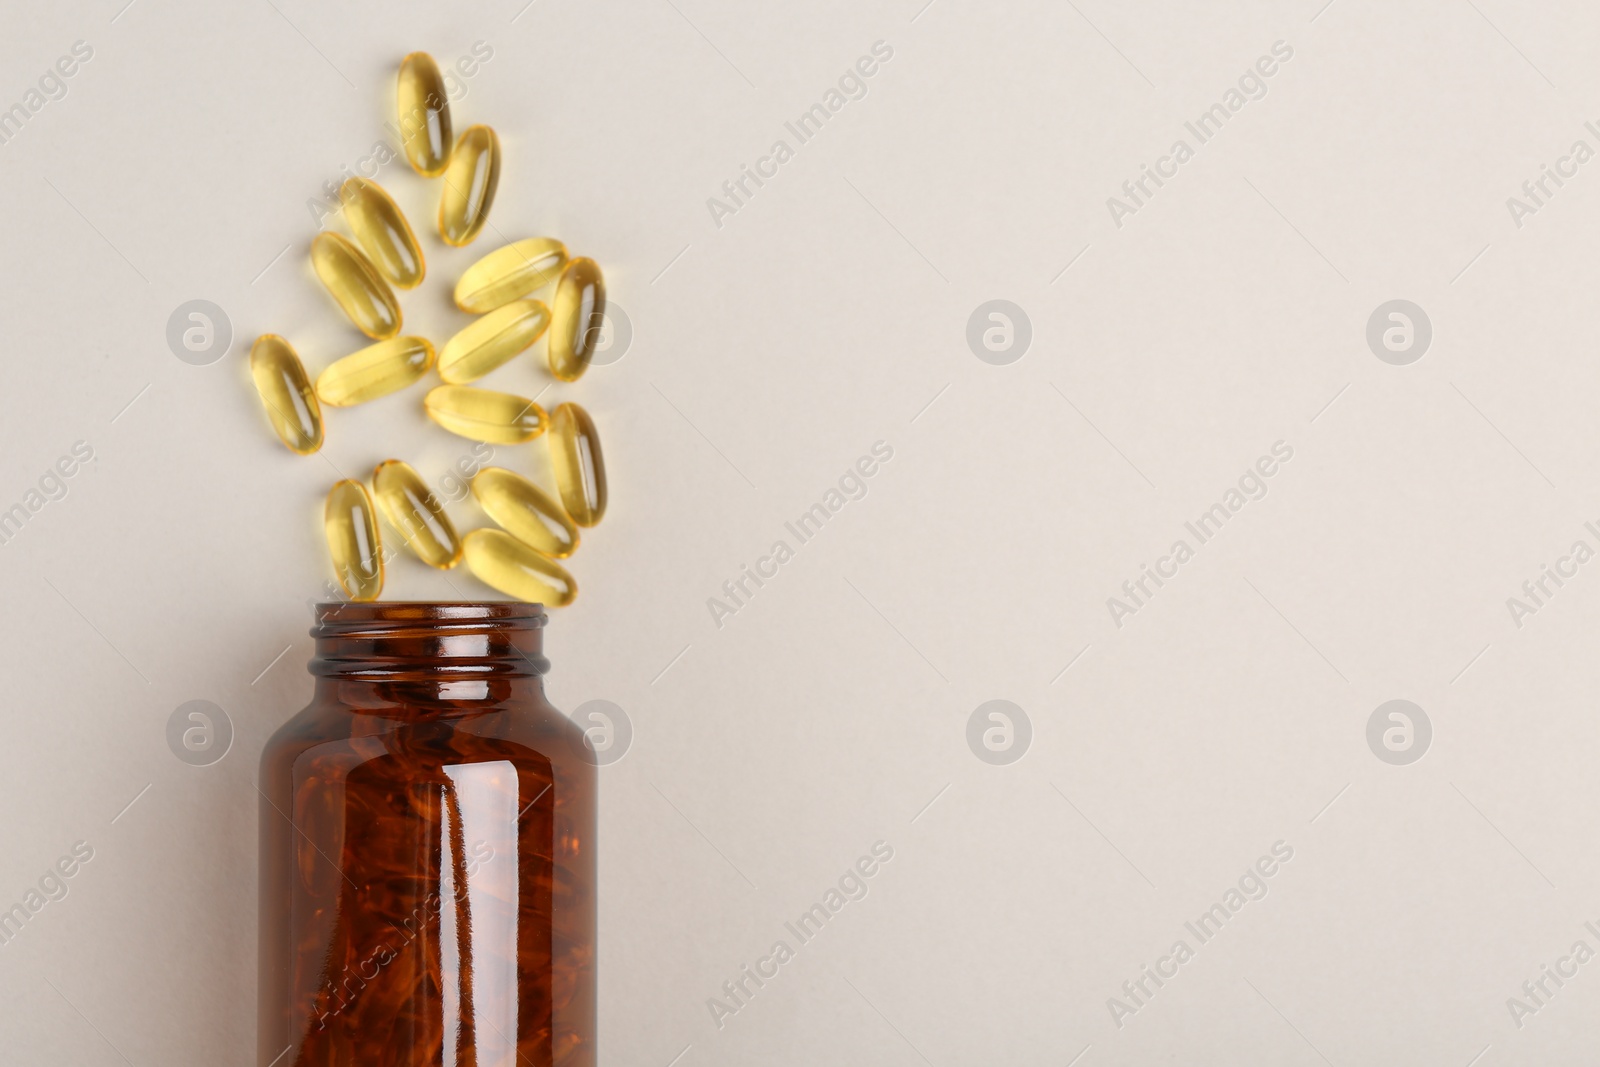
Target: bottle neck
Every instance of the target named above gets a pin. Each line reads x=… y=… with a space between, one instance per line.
x=428 y=658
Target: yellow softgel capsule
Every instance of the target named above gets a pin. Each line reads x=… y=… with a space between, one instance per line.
x=485 y=415
x=353 y=541
x=416 y=514
x=383 y=231
x=375 y=371
x=579 y=467
x=424 y=113
x=577 y=316
x=469 y=184
x=356 y=284
x=291 y=404
x=510 y=272
x=525 y=511
x=489 y=341
x=497 y=559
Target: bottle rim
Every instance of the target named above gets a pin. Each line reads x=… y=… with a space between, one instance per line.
x=339 y=615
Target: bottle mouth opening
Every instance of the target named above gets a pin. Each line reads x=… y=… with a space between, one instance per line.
x=338 y=617
x=415 y=640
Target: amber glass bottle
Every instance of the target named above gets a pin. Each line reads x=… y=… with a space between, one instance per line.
x=427 y=850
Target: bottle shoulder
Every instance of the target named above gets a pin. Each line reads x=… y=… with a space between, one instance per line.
x=338 y=740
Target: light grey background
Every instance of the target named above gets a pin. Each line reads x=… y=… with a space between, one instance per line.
x=831 y=712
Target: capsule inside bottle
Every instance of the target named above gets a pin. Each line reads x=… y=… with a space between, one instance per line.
x=577 y=317
x=286 y=393
x=499 y=560
x=580 y=469
x=414 y=511
x=356 y=285
x=383 y=231
x=525 y=511
x=424 y=113
x=375 y=371
x=485 y=415
x=353 y=541
x=470 y=181
x=487 y=342
x=510 y=272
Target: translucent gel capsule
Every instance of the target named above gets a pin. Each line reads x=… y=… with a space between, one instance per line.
x=525 y=511
x=469 y=184
x=356 y=284
x=497 y=559
x=353 y=541
x=510 y=272
x=492 y=340
x=416 y=514
x=374 y=371
x=579 y=467
x=383 y=231
x=577 y=314
x=485 y=415
x=424 y=113
x=291 y=405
